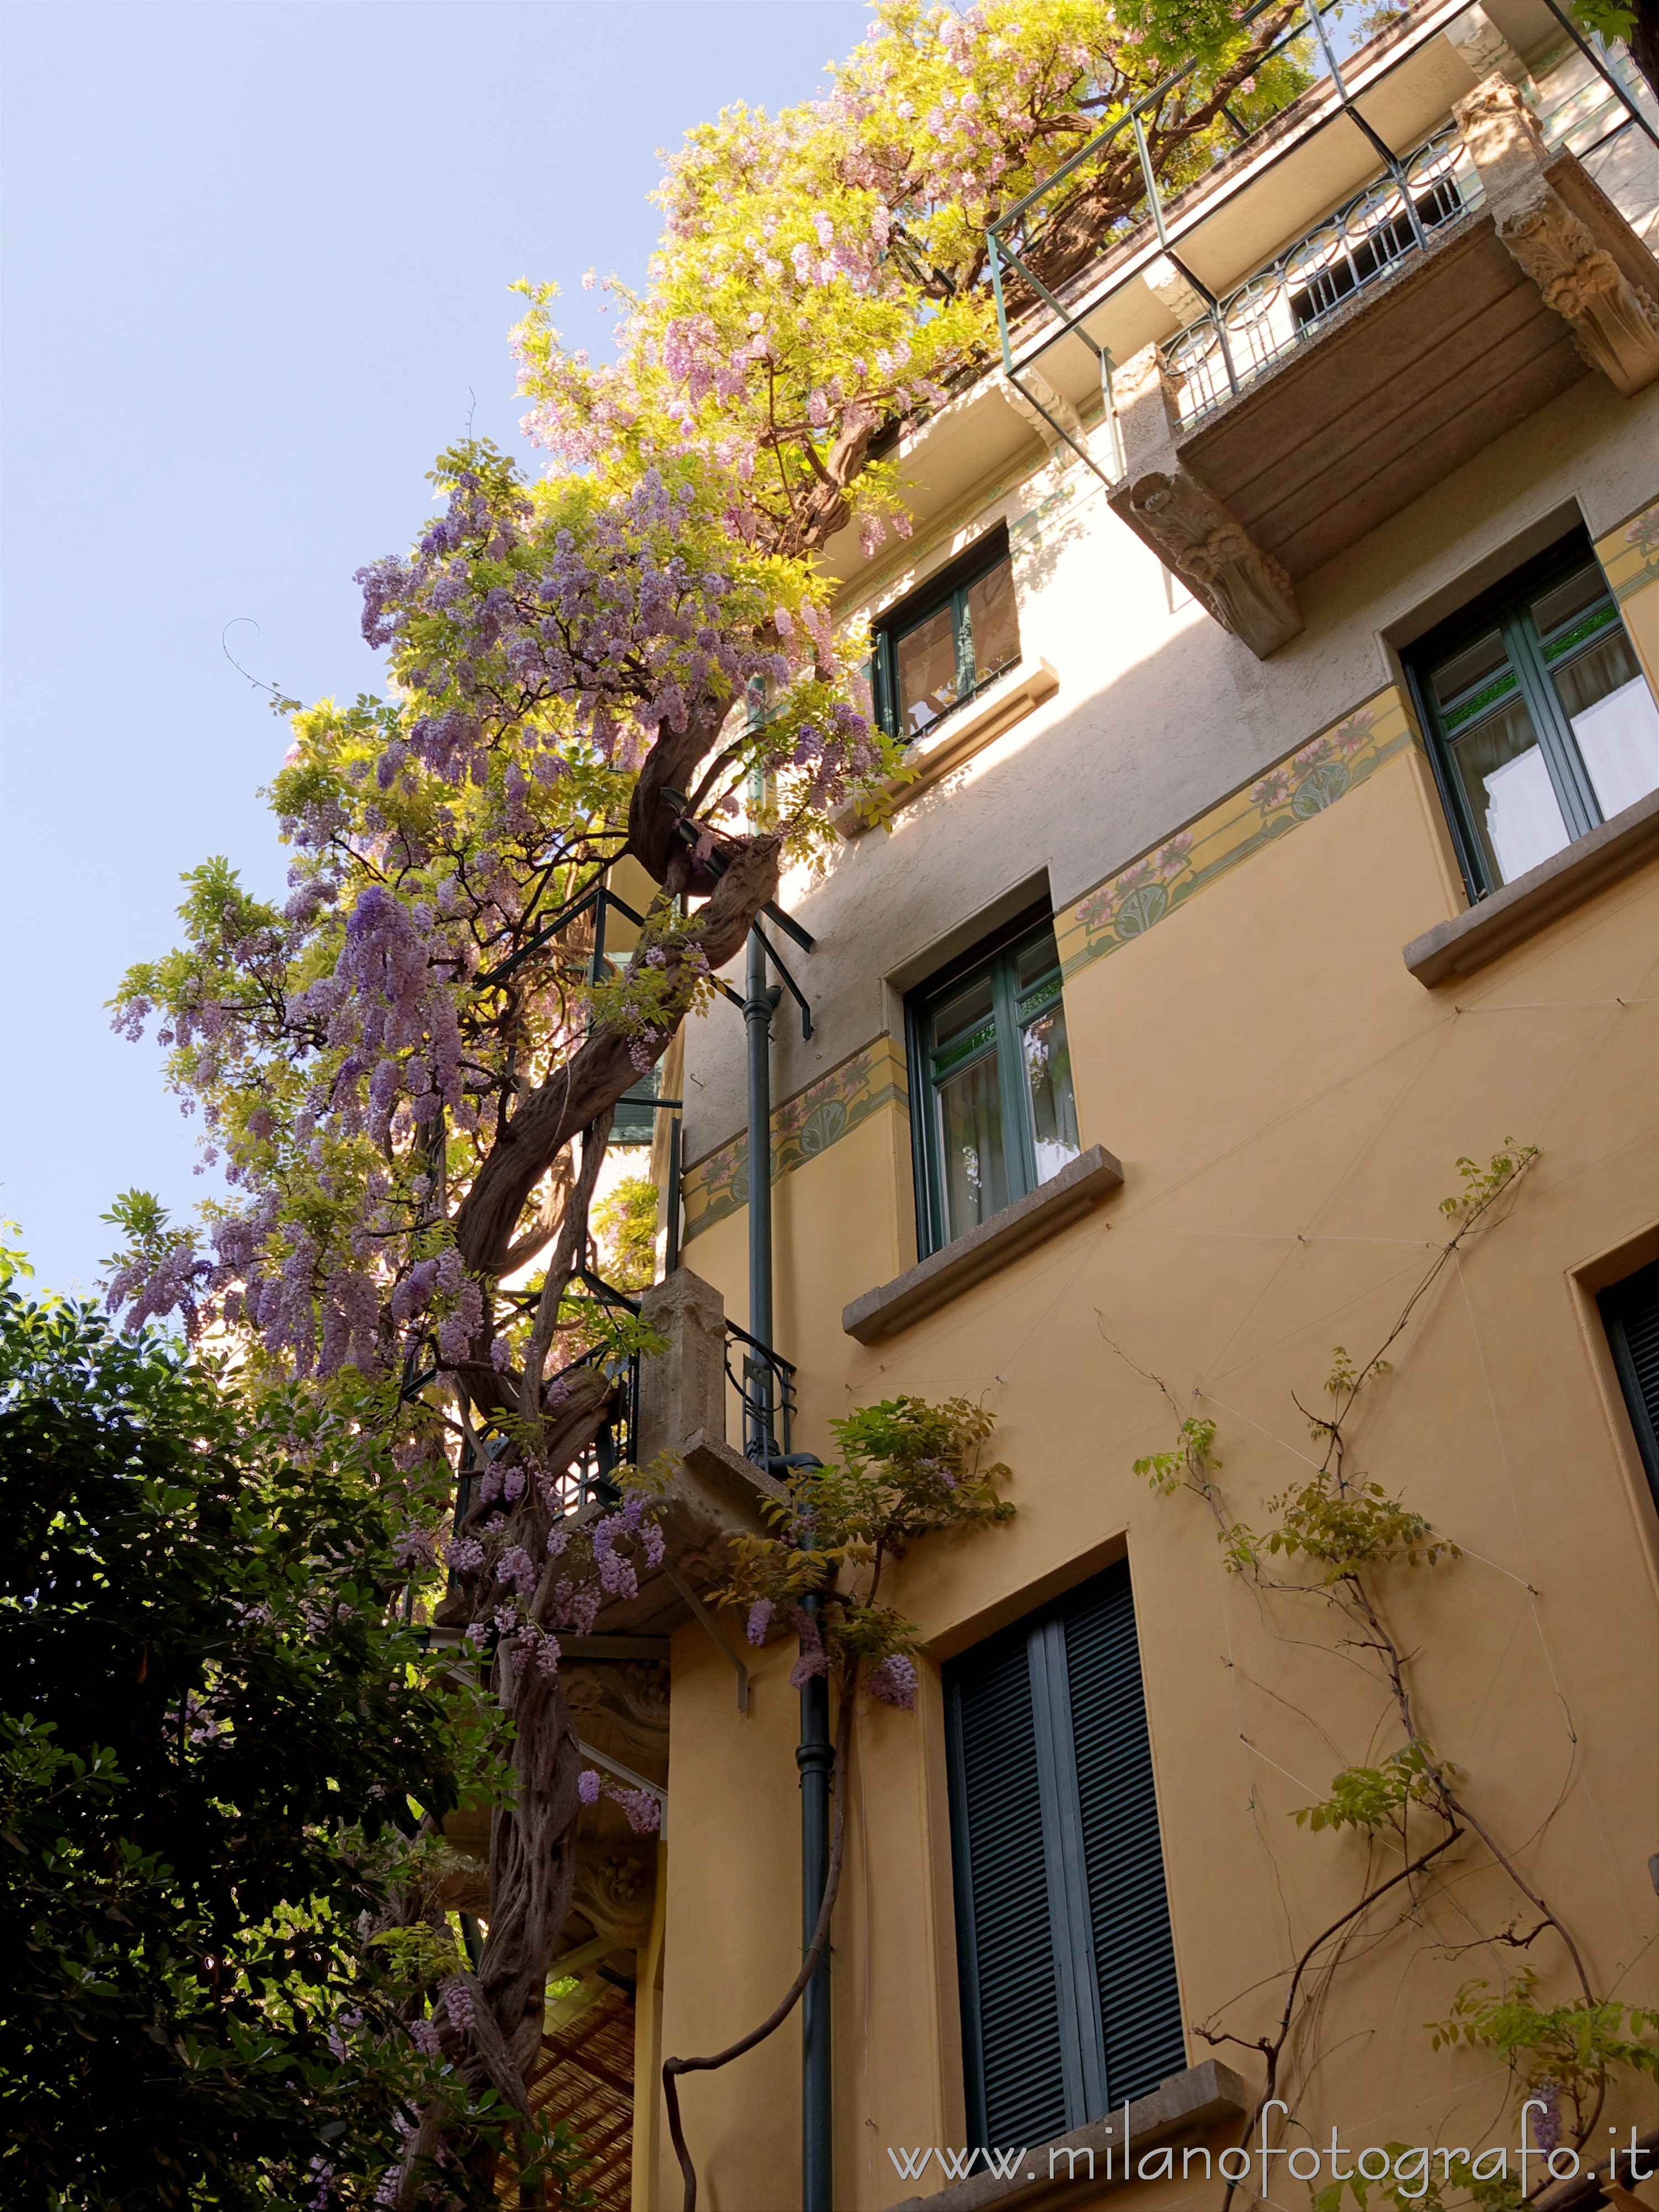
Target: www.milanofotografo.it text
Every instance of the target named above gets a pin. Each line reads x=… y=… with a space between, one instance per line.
x=1412 y=2169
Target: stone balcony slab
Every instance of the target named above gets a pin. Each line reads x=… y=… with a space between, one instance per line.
x=1501 y=309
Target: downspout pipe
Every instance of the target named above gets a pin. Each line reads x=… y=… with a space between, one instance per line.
x=758 y=1003
x=814 y=1755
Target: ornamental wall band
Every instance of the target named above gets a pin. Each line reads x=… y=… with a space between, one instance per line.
x=1152 y=887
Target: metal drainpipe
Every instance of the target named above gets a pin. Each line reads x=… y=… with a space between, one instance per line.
x=758 y=1022
x=814 y=1755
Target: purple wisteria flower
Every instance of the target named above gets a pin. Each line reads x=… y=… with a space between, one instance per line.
x=644 y=1812
x=1546 y=2114
x=893 y=1681
x=814 y=1660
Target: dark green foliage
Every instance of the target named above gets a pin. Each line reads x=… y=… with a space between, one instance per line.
x=217 y=1754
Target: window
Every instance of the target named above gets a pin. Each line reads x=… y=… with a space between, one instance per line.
x=945 y=643
x=991 y=1079
x=1543 y=724
x=636 y=1122
x=1629 y=1314
x=1069 y=2002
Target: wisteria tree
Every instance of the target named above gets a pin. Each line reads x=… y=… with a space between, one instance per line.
x=406 y=1071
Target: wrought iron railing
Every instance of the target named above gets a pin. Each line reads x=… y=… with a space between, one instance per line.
x=766 y=1391
x=592 y=1474
x=1360 y=245
x=1290 y=301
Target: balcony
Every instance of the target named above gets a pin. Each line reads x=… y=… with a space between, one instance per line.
x=1256 y=405
x=1374 y=357
x=1450 y=291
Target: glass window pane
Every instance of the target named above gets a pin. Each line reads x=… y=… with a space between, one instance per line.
x=1472 y=666
x=1510 y=800
x=993 y=623
x=1582 y=590
x=927 y=672
x=1607 y=700
x=1048 y=1088
x=975 y=1175
x=959 y=1023
x=1039 y=959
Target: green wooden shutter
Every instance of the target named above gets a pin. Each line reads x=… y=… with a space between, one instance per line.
x=1630 y=1312
x=1068 y=1985
x=1010 y=2024
x=1128 y=1905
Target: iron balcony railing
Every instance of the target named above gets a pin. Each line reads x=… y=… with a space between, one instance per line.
x=1290 y=301
x=765 y=1384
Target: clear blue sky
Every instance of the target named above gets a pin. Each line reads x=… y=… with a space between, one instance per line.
x=256 y=259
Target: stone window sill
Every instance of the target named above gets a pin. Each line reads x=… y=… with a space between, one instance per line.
x=963 y=736
x=1469 y=941
x=1030 y=1221
x=1186 y=2105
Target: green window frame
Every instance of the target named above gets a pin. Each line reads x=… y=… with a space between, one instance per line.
x=994 y=1109
x=1541 y=723
x=940 y=647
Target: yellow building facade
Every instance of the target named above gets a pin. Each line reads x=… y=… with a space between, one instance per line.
x=1312 y=951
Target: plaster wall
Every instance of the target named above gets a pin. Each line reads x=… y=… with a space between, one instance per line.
x=1158 y=714
x=1288 y=1104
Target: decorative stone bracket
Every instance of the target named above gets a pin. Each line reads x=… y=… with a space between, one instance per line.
x=1185 y=524
x=1191 y=532
x=1044 y=408
x=1592 y=282
x=1615 y=324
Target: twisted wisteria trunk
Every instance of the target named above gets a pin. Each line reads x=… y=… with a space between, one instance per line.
x=594 y=1077
x=514 y=1562
x=532 y=1867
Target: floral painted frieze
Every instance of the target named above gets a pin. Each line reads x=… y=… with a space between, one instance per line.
x=802 y=1127
x=1630 y=555
x=1139 y=896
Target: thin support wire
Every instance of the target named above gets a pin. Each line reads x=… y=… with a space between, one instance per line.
x=1218 y=320
x=1381 y=145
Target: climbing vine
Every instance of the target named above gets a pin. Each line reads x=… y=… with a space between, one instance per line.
x=907 y=1469
x=1341 y=1538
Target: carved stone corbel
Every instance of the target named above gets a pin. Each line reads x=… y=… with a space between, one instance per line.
x=1188 y=527
x=1615 y=325
x=1044 y=409
x=1173 y=289
x=1500 y=136
x=615 y=1891
x=1614 y=322
x=1482 y=48
x=628 y=1699
x=1146 y=401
